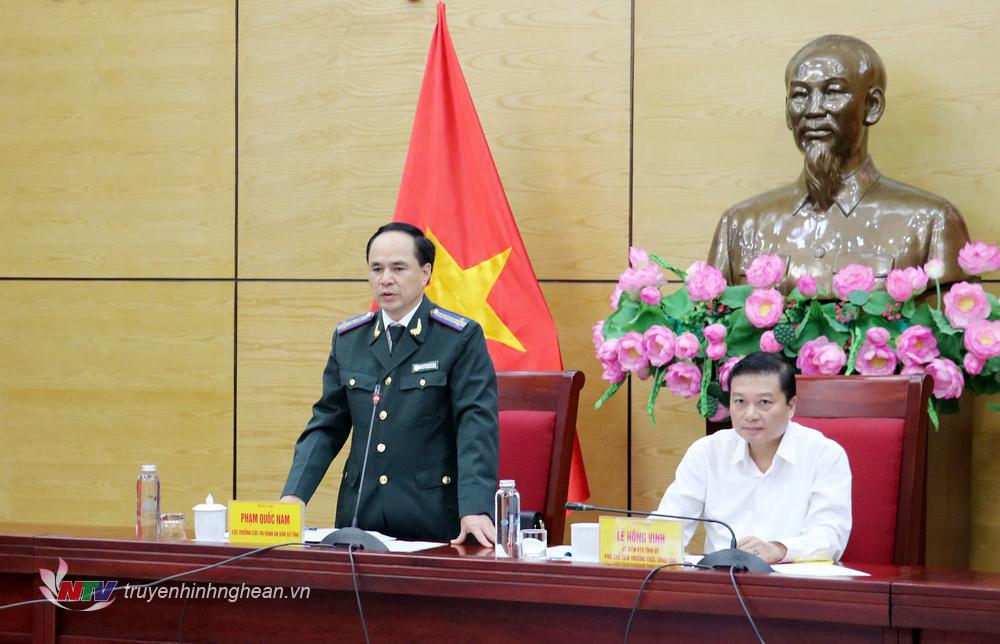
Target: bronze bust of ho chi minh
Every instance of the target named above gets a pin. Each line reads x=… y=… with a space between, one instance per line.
x=841 y=210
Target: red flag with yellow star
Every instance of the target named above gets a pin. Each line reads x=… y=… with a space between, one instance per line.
x=451 y=190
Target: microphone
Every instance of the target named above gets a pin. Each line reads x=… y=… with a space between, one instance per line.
x=731 y=557
x=353 y=536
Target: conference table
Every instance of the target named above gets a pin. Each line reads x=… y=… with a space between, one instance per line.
x=464 y=594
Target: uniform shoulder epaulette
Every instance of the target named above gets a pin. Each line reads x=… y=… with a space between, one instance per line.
x=449 y=319
x=355 y=322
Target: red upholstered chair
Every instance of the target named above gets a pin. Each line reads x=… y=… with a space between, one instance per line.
x=537 y=429
x=881 y=422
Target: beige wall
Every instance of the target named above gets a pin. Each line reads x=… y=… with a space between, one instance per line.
x=152 y=293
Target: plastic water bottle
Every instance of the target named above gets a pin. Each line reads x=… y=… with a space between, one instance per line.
x=147 y=504
x=508 y=518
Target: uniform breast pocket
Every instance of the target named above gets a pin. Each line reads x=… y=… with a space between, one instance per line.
x=357 y=381
x=427 y=380
x=425 y=396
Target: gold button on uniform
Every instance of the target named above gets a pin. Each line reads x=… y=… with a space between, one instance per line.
x=423 y=383
x=446 y=480
x=388 y=381
x=351 y=382
x=383 y=479
x=380 y=447
x=383 y=415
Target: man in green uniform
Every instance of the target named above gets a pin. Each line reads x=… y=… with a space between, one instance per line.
x=422 y=377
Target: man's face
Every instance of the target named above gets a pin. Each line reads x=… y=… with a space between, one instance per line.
x=759 y=411
x=826 y=103
x=396 y=278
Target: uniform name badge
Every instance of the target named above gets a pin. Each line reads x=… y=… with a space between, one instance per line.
x=425 y=366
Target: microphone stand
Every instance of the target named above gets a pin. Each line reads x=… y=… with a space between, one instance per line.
x=354 y=536
x=731 y=557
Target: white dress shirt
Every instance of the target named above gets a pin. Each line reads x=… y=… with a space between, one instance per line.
x=803 y=500
x=403 y=321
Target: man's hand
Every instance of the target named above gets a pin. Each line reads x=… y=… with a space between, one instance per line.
x=770 y=551
x=291 y=498
x=480 y=527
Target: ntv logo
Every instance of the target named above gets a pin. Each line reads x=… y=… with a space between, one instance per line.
x=56 y=589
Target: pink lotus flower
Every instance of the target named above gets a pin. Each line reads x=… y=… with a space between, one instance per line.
x=948 y=378
x=616 y=296
x=877 y=336
x=764 y=308
x=704 y=282
x=659 y=342
x=765 y=271
x=964 y=303
x=716 y=350
x=633 y=280
x=632 y=352
x=982 y=339
x=934 y=269
x=612 y=372
x=769 y=343
x=807 y=285
x=608 y=351
x=875 y=360
x=638 y=258
x=721 y=413
x=917 y=345
x=684 y=379
x=853 y=277
x=820 y=356
x=904 y=283
x=687 y=346
x=972 y=364
x=597 y=337
x=977 y=258
x=650 y=295
x=726 y=370
x=715 y=333
x=830 y=359
x=912 y=370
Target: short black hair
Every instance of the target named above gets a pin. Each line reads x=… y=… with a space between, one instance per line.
x=760 y=363
x=423 y=248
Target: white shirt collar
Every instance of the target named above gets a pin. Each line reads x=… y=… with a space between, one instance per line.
x=787 y=448
x=405 y=320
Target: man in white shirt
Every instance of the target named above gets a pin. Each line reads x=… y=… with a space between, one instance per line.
x=784 y=488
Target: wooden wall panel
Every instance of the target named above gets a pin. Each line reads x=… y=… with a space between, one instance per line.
x=327 y=96
x=984 y=524
x=709 y=107
x=116 y=139
x=101 y=377
x=604 y=432
x=284 y=340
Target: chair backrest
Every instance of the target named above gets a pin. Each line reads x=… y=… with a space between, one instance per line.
x=537 y=430
x=881 y=422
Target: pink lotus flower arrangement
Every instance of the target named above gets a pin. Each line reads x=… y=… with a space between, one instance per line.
x=689 y=340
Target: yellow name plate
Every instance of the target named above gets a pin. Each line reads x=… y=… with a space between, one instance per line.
x=252 y=522
x=645 y=542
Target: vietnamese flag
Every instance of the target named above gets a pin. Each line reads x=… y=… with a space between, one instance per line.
x=451 y=190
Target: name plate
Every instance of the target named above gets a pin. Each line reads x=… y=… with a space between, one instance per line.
x=644 y=542
x=264 y=523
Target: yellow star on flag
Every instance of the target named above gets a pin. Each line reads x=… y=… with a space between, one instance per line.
x=464 y=291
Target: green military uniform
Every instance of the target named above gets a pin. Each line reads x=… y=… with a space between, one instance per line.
x=435 y=441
